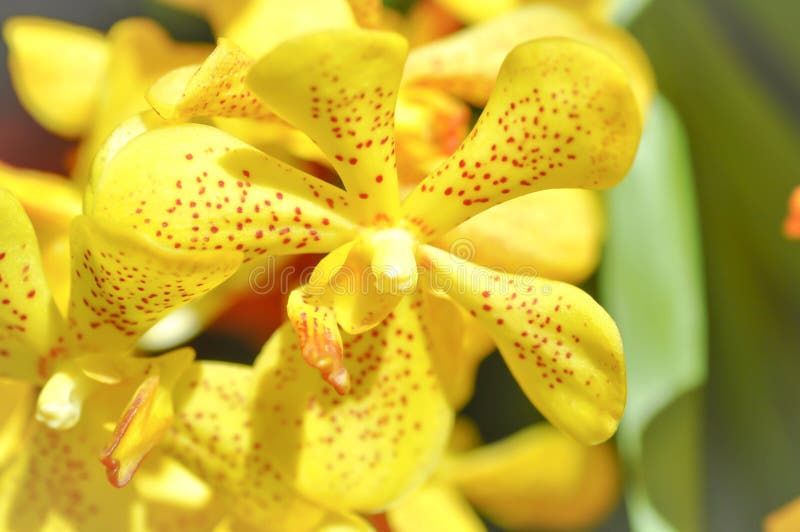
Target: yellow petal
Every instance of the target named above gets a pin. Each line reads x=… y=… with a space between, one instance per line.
x=51 y=202
x=560 y=345
x=140 y=52
x=193 y=187
x=57 y=70
x=784 y=519
x=472 y=11
x=122 y=285
x=173 y=498
x=434 y=506
x=367 y=12
x=15 y=416
x=467 y=62
x=215 y=88
x=340 y=88
x=539 y=478
x=430 y=125
x=561 y=116
x=556 y=234
x=30 y=324
x=367 y=448
x=214 y=437
x=264 y=24
x=146 y=418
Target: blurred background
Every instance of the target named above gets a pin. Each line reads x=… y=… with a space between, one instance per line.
x=722 y=450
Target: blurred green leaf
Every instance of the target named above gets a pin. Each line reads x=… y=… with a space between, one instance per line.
x=651 y=282
x=745 y=151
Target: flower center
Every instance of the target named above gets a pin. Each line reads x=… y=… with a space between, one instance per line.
x=393 y=262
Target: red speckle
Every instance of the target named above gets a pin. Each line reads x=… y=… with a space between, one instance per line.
x=31 y=294
x=189 y=156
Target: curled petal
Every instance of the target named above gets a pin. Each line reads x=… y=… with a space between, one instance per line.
x=467 y=62
x=31 y=327
x=556 y=234
x=539 y=478
x=561 y=346
x=146 y=418
x=367 y=448
x=215 y=88
x=193 y=187
x=214 y=437
x=318 y=334
x=562 y=115
x=57 y=69
x=340 y=88
x=122 y=285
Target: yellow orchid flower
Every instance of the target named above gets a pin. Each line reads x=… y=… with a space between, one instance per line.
x=537 y=478
x=561 y=115
x=119 y=286
x=79 y=83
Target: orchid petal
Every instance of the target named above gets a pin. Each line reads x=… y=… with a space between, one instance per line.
x=467 y=63
x=51 y=203
x=31 y=327
x=57 y=70
x=15 y=416
x=539 y=478
x=556 y=234
x=434 y=506
x=215 y=88
x=365 y=449
x=561 y=346
x=472 y=11
x=367 y=12
x=122 y=285
x=214 y=437
x=193 y=187
x=340 y=88
x=561 y=116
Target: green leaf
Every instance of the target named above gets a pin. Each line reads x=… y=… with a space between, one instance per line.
x=651 y=282
x=744 y=138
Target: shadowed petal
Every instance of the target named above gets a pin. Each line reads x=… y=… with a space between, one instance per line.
x=367 y=448
x=31 y=327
